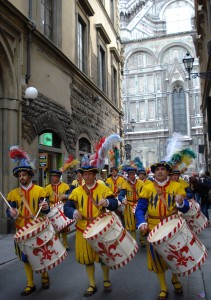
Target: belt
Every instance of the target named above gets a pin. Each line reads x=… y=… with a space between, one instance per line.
x=88 y=219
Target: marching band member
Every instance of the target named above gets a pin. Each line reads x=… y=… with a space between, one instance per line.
x=160 y=199
x=85 y=204
x=25 y=202
x=129 y=197
x=142 y=175
x=78 y=181
x=175 y=176
x=58 y=191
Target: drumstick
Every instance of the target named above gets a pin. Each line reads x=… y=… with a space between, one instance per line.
x=38 y=213
x=5 y=200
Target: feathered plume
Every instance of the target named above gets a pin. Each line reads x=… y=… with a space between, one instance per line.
x=69 y=162
x=114 y=157
x=106 y=146
x=20 y=156
x=138 y=163
x=174 y=145
x=182 y=159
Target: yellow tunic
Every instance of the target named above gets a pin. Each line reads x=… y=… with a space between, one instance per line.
x=32 y=197
x=183 y=183
x=84 y=252
x=132 y=191
x=157 y=211
x=77 y=182
x=115 y=184
x=53 y=191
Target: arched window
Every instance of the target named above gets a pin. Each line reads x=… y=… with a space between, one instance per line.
x=179 y=111
x=84 y=147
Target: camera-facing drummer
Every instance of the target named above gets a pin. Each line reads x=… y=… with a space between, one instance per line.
x=85 y=204
x=25 y=202
x=160 y=199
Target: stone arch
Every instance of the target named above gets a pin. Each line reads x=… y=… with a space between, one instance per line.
x=49 y=121
x=171 y=45
x=140 y=49
x=8 y=81
x=166 y=4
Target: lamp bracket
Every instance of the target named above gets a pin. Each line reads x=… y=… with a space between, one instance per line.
x=204 y=75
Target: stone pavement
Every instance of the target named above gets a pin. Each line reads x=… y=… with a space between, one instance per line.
x=201 y=277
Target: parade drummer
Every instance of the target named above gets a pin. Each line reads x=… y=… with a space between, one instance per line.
x=25 y=202
x=175 y=176
x=129 y=197
x=85 y=204
x=160 y=199
x=78 y=181
x=114 y=182
x=58 y=191
x=142 y=175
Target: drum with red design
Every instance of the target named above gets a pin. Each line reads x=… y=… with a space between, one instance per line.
x=195 y=218
x=38 y=241
x=115 y=246
x=179 y=247
x=58 y=218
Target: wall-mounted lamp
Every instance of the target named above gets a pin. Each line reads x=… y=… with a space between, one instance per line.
x=96 y=98
x=188 y=62
x=132 y=122
x=30 y=94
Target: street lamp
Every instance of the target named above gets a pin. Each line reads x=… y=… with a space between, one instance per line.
x=31 y=93
x=188 y=62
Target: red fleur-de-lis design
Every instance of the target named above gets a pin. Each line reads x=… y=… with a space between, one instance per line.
x=108 y=251
x=178 y=255
x=45 y=252
x=192 y=225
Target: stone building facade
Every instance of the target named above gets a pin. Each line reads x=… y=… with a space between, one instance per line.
x=202 y=43
x=70 y=52
x=158 y=97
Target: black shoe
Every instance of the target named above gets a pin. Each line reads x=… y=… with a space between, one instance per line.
x=28 y=290
x=45 y=282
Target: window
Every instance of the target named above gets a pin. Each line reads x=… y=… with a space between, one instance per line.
x=49 y=139
x=114 y=84
x=112 y=9
x=47 y=18
x=102 y=69
x=50 y=20
x=179 y=111
x=81 y=44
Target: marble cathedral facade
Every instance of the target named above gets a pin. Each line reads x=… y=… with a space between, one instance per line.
x=158 y=97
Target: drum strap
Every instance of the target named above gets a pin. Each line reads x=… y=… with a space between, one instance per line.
x=89 y=194
x=160 y=193
x=25 y=202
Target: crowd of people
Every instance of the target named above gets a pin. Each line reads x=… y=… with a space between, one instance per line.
x=139 y=201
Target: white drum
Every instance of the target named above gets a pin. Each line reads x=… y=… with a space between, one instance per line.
x=58 y=218
x=115 y=246
x=39 y=242
x=179 y=247
x=195 y=218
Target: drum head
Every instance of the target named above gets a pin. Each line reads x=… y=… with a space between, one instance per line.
x=163 y=230
x=98 y=225
x=31 y=229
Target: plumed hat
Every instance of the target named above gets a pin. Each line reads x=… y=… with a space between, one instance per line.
x=141 y=171
x=55 y=173
x=161 y=164
x=24 y=162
